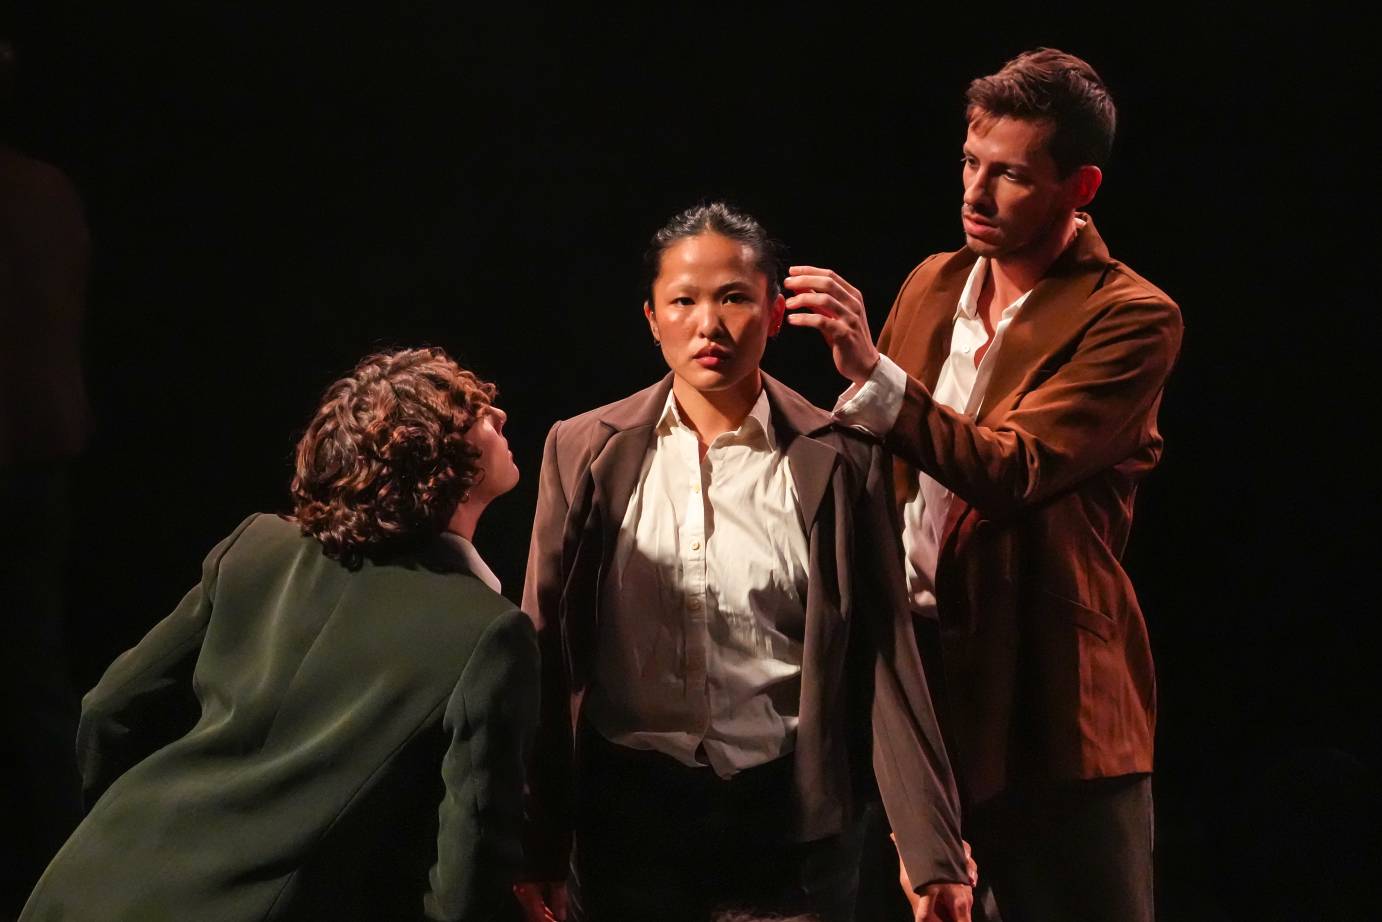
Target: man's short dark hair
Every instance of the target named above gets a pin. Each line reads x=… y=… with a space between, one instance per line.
x=716 y=218
x=384 y=462
x=1050 y=85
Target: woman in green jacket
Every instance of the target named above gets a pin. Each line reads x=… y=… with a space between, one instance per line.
x=333 y=724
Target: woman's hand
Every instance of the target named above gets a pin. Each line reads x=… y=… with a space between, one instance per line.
x=941 y=902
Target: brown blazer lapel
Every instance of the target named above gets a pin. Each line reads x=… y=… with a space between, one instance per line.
x=922 y=348
x=617 y=464
x=1048 y=318
x=925 y=343
x=616 y=449
x=1045 y=321
x=811 y=461
x=615 y=473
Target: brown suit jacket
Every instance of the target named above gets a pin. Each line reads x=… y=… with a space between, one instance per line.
x=865 y=711
x=1048 y=669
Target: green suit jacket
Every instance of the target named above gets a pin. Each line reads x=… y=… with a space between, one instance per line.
x=300 y=741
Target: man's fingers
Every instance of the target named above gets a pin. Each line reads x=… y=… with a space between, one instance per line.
x=831 y=274
x=816 y=301
x=847 y=297
x=843 y=323
x=821 y=283
x=829 y=326
x=971 y=866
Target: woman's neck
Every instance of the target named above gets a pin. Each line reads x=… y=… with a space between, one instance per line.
x=713 y=413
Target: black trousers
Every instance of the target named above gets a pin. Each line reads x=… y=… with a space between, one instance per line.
x=655 y=839
x=1077 y=850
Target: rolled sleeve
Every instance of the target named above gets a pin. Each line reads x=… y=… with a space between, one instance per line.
x=873 y=406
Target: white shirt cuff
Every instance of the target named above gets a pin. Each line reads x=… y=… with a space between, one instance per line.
x=874 y=405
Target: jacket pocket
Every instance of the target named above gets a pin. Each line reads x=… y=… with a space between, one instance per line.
x=1092 y=620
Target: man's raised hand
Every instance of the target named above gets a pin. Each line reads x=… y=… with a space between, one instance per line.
x=832 y=305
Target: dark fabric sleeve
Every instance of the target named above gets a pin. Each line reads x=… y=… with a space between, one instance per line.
x=909 y=758
x=547 y=837
x=490 y=718
x=1089 y=415
x=145 y=700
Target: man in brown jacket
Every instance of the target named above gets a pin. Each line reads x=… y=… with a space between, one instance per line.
x=1018 y=387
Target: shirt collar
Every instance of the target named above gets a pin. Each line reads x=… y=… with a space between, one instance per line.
x=478 y=568
x=968 y=305
x=756 y=427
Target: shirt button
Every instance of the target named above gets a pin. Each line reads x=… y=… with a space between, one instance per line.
x=695 y=545
x=966 y=350
x=695 y=488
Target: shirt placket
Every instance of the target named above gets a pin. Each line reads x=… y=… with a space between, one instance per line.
x=954 y=392
x=965 y=391
x=695 y=601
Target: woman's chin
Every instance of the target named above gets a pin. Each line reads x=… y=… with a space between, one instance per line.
x=711 y=380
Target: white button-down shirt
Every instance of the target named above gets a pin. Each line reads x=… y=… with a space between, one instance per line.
x=874 y=407
x=711 y=557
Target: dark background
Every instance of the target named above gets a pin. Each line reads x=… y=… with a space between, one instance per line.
x=273 y=193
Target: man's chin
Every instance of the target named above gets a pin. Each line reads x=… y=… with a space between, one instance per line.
x=983 y=247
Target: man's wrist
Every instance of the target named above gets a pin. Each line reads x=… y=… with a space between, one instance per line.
x=871 y=366
x=873 y=404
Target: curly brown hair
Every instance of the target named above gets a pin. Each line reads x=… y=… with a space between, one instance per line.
x=384 y=462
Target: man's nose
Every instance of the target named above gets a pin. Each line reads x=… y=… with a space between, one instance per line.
x=977 y=188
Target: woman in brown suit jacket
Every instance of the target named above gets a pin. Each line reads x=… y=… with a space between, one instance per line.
x=757 y=582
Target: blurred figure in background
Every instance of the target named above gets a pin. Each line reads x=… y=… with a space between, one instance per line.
x=43 y=426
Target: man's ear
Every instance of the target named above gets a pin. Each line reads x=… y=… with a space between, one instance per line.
x=1084 y=183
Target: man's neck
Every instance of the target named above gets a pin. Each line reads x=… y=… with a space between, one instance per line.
x=1014 y=275
x=713 y=413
